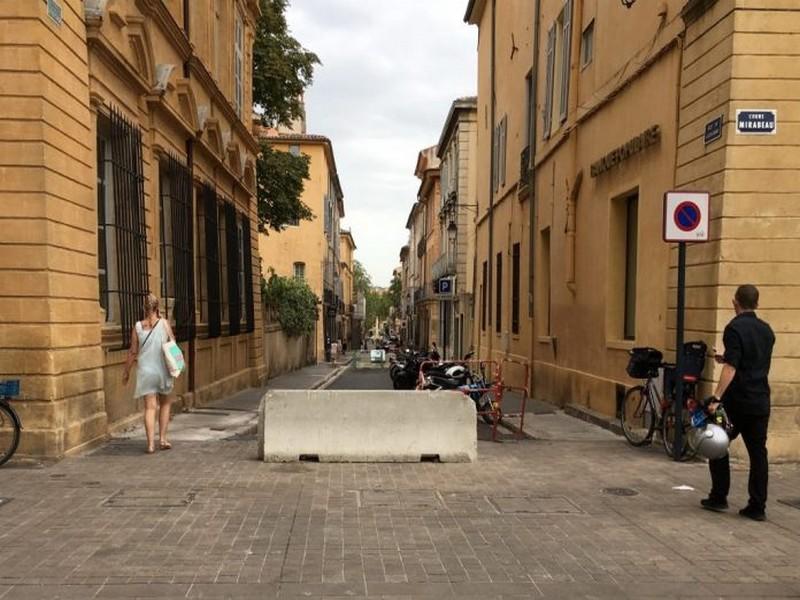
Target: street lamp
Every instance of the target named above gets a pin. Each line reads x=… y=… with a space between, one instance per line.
x=452 y=232
x=628 y=3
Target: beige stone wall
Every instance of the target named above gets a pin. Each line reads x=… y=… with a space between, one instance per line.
x=740 y=55
x=55 y=79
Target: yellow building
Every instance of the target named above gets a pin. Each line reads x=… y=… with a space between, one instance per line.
x=127 y=166
x=623 y=107
x=310 y=249
x=350 y=326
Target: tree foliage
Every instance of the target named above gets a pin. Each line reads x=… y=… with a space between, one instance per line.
x=279 y=187
x=293 y=301
x=282 y=68
x=362 y=282
x=395 y=291
x=378 y=306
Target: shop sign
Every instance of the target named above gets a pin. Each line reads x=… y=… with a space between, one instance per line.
x=714 y=130
x=757 y=122
x=644 y=140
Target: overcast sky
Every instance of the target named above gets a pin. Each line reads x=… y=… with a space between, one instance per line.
x=390 y=71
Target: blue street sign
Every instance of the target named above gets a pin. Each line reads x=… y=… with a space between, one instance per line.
x=757 y=122
x=446 y=285
x=713 y=130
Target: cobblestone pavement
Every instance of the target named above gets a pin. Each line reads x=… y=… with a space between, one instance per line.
x=529 y=520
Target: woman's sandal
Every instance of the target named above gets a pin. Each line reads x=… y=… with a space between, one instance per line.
x=165 y=446
x=150 y=450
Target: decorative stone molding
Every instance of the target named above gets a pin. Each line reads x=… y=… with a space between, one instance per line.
x=187 y=103
x=213 y=136
x=694 y=9
x=141 y=48
x=96 y=102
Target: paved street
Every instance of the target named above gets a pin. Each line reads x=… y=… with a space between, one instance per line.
x=530 y=519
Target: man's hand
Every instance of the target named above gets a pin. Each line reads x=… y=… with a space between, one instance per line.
x=719 y=358
x=712 y=408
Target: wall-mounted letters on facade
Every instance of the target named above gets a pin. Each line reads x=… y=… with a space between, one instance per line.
x=644 y=140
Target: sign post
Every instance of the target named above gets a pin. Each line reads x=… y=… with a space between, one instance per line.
x=685 y=220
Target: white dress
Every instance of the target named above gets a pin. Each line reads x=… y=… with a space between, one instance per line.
x=152 y=376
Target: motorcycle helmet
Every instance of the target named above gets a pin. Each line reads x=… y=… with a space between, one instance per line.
x=456 y=371
x=711 y=441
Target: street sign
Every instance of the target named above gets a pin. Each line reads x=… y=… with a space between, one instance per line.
x=686 y=216
x=757 y=121
x=446 y=286
x=713 y=130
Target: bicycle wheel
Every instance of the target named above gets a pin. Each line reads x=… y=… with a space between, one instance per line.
x=9 y=433
x=668 y=434
x=637 y=416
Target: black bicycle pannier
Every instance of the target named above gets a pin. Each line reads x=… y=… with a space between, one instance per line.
x=694 y=358
x=644 y=362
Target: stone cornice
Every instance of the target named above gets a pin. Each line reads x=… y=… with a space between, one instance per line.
x=207 y=81
x=157 y=10
x=118 y=63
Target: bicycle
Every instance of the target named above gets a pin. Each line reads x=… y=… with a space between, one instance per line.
x=645 y=408
x=10 y=425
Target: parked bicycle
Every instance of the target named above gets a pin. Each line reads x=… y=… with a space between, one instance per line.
x=647 y=408
x=10 y=425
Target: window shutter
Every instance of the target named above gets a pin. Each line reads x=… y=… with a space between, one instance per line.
x=495 y=178
x=248 y=277
x=503 y=140
x=565 y=65
x=232 y=267
x=213 y=295
x=548 y=90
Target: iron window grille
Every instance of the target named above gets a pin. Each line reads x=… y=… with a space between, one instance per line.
x=498 y=318
x=177 y=246
x=250 y=313
x=232 y=265
x=122 y=234
x=212 y=261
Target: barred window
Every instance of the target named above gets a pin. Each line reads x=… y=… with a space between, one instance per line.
x=210 y=266
x=122 y=237
x=177 y=246
x=233 y=269
x=248 y=276
x=221 y=241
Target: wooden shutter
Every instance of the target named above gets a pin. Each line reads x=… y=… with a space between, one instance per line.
x=565 y=65
x=548 y=89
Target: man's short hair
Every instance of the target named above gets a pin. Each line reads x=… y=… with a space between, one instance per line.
x=747 y=296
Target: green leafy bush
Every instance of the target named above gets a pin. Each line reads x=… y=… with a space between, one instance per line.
x=292 y=301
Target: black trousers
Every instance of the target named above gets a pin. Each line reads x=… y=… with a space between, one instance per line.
x=753 y=429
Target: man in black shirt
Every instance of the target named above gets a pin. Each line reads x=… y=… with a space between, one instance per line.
x=743 y=390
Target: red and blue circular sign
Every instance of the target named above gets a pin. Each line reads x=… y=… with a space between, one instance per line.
x=687 y=216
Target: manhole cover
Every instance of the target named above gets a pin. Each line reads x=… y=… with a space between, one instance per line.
x=144 y=499
x=537 y=505
x=399 y=499
x=615 y=491
x=793 y=502
x=4 y=501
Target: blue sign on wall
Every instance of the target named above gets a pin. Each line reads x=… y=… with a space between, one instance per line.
x=446 y=285
x=757 y=122
x=714 y=129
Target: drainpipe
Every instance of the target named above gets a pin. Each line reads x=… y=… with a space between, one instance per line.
x=493 y=120
x=534 y=197
x=190 y=166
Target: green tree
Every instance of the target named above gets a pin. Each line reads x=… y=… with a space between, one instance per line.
x=293 y=301
x=280 y=182
x=282 y=68
x=378 y=304
x=362 y=282
x=395 y=292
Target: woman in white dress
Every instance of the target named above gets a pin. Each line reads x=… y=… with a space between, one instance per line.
x=153 y=381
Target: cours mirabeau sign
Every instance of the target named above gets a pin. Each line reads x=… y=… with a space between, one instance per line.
x=647 y=138
x=757 y=121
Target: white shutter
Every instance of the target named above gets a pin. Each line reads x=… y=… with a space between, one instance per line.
x=565 y=65
x=548 y=89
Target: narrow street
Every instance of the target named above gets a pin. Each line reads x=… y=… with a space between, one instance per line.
x=572 y=513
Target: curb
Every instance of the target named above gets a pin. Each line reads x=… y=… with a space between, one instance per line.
x=595 y=418
x=329 y=379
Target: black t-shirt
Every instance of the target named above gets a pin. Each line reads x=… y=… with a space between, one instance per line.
x=748 y=348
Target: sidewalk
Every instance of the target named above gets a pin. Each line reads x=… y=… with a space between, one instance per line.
x=574 y=513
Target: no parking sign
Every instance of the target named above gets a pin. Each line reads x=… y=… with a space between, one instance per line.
x=686 y=216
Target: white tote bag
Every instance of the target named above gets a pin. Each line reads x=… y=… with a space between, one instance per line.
x=174 y=358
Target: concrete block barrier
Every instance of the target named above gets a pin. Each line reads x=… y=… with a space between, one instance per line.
x=367 y=426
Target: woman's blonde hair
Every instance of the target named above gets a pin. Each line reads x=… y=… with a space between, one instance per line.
x=151 y=305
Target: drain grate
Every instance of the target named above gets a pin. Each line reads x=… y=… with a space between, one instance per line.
x=793 y=502
x=144 y=499
x=536 y=505
x=399 y=499
x=620 y=491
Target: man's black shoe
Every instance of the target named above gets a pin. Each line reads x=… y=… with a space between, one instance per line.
x=714 y=505
x=753 y=513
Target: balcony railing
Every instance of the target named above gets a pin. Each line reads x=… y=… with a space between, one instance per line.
x=446 y=265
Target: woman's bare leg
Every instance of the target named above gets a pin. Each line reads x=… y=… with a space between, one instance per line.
x=150 y=407
x=163 y=418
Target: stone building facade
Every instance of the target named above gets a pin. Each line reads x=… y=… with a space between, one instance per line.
x=564 y=85
x=127 y=166
x=311 y=249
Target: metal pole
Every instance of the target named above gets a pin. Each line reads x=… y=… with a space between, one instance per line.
x=679 y=366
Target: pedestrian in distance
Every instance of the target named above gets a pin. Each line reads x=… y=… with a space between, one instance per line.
x=153 y=380
x=743 y=390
